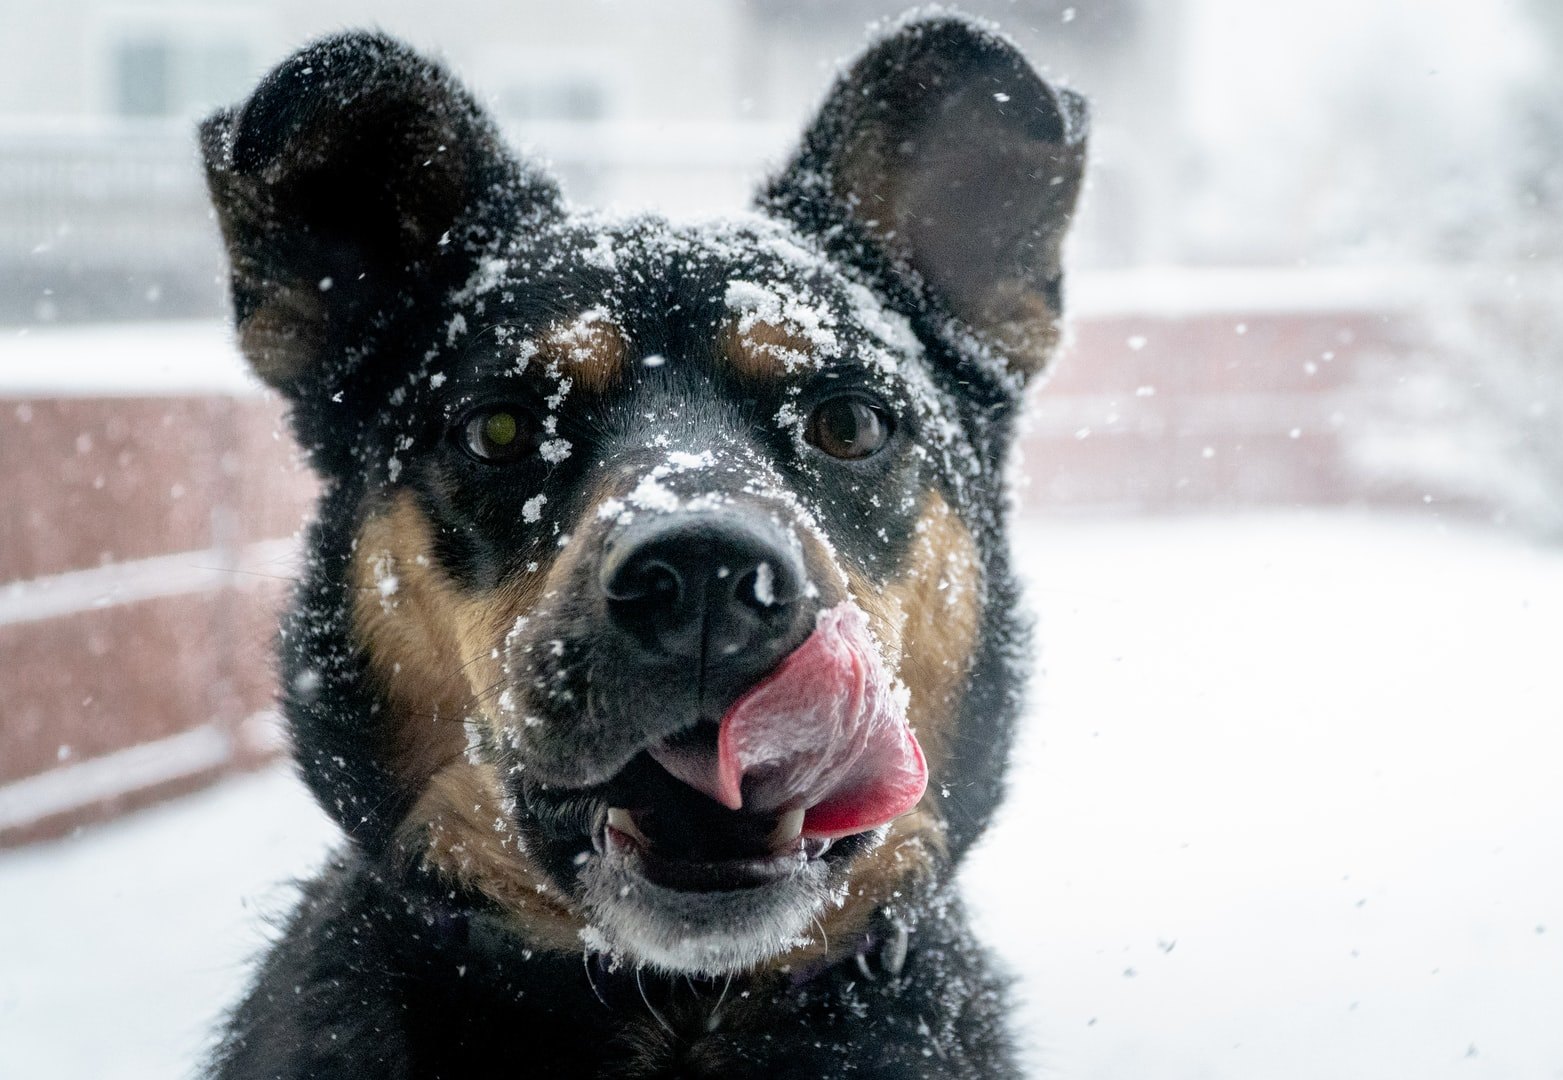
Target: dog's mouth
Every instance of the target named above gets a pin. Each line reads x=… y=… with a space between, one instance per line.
x=674 y=836
x=824 y=735
x=817 y=753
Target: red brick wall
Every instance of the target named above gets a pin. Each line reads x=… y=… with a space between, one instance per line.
x=1169 y=412
x=142 y=561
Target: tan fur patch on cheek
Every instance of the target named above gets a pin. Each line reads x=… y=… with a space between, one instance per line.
x=938 y=594
x=926 y=618
x=459 y=828
x=759 y=349
x=434 y=649
x=437 y=651
x=591 y=352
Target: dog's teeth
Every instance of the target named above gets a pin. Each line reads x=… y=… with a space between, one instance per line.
x=620 y=819
x=788 y=828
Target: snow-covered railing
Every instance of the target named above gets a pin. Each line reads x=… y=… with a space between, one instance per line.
x=154 y=496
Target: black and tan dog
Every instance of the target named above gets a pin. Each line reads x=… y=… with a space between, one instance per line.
x=659 y=571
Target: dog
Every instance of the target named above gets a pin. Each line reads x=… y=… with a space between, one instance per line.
x=657 y=648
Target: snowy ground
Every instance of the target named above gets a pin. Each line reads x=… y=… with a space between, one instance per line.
x=1291 y=805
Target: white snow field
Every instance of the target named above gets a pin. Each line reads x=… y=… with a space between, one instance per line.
x=1289 y=805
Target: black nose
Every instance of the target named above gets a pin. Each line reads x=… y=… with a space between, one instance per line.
x=720 y=590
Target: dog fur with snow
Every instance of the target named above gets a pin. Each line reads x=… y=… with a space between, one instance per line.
x=657 y=649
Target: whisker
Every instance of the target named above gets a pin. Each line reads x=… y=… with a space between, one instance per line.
x=649 y=1007
x=250 y=573
x=586 y=960
x=453 y=676
x=824 y=937
x=720 y=998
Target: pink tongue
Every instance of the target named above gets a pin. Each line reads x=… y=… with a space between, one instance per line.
x=825 y=731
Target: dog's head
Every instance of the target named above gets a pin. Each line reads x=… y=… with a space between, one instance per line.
x=659 y=569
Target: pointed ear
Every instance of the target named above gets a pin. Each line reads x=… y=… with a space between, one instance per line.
x=945 y=152
x=357 y=172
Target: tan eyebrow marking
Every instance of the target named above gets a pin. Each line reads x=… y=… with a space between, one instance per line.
x=759 y=349
x=589 y=350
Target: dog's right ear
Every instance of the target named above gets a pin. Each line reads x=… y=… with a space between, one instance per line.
x=944 y=152
x=357 y=173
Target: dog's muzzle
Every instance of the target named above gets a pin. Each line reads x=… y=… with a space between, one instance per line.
x=813 y=730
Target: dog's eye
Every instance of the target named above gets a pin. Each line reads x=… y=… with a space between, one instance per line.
x=497 y=434
x=849 y=427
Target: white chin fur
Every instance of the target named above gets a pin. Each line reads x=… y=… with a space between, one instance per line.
x=709 y=934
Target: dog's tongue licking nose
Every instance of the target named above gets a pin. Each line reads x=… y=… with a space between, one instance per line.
x=825 y=732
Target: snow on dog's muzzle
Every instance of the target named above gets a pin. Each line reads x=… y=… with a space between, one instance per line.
x=825 y=732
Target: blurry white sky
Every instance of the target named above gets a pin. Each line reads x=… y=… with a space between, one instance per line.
x=1255 y=66
x=1378 y=125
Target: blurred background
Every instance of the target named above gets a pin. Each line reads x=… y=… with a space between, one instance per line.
x=1292 y=512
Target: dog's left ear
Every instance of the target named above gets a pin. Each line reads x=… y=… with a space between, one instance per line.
x=943 y=151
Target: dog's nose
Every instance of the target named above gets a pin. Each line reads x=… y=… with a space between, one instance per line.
x=719 y=590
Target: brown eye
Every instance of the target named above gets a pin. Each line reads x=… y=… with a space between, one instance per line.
x=496 y=435
x=849 y=427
